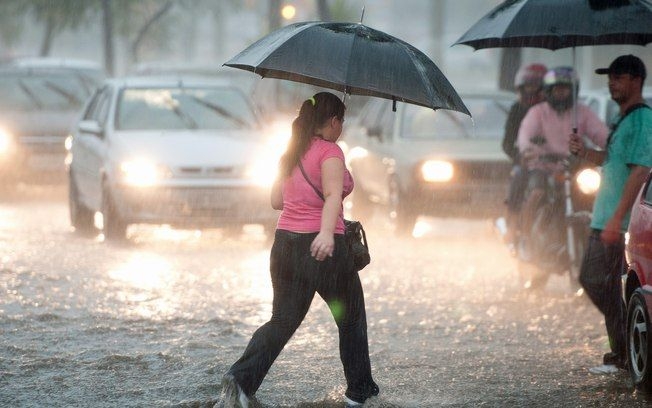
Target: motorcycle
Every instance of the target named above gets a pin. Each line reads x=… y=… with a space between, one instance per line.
x=560 y=228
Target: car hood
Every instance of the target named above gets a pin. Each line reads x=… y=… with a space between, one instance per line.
x=197 y=148
x=38 y=123
x=455 y=150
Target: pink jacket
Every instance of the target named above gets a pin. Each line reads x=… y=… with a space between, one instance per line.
x=542 y=121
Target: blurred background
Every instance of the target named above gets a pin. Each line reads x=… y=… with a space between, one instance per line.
x=126 y=36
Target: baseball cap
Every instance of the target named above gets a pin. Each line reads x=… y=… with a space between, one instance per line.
x=625 y=64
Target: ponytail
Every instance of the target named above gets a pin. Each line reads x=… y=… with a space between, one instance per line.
x=313 y=113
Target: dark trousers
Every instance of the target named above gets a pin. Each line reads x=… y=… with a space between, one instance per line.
x=296 y=277
x=517 y=186
x=600 y=276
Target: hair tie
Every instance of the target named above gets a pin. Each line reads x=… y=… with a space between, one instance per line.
x=312 y=100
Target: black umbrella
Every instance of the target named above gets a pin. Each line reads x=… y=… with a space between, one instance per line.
x=352 y=58
x=555 y=24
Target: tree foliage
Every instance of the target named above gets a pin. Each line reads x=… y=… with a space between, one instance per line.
x=55 y=16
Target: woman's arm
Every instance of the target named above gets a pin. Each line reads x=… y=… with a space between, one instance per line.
x=332 y=180
x=276 y=196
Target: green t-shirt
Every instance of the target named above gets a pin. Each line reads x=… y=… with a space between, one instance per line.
x=630 y=144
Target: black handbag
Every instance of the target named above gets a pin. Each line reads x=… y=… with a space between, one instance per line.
x=354 y=234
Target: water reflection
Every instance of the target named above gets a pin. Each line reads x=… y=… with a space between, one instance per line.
x=421 y=229
x=259 y=286
x=148 y=282
x=7 y=219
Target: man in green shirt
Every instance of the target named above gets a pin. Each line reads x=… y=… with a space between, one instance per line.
x=625 y=165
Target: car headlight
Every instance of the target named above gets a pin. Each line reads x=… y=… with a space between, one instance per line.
x=141 y=172
x=263 y=170
x=5 y=141
x=264 y=167
x=588 y=181
x=68 y=143
x=437 y=171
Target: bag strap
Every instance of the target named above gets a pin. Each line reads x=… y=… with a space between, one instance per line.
x=303 y=171
x=305 y=176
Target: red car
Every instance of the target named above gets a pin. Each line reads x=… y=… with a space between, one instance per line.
x=637 y=289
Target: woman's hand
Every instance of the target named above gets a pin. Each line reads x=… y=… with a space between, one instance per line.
x=322 y=246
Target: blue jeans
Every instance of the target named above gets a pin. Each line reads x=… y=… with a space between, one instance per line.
x=296 y=277
x=600 y=273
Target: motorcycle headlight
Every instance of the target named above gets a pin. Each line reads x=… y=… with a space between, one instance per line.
x=5 y=141
x=588 y=181
x=141 y=172
x=437 y=171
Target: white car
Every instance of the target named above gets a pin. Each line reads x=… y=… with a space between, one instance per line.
x=39 y=102
x=418 y=161
x=183 y=152
x=599 y=100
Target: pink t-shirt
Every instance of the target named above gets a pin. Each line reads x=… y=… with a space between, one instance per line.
x=542 y=120
x=302 y=207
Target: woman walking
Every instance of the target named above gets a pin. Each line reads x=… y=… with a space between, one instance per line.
x=309 y=256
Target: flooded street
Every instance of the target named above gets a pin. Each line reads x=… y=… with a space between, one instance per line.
x=157 y=320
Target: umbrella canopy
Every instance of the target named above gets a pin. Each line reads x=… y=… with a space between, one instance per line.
x=352 y=58
x=555 y=24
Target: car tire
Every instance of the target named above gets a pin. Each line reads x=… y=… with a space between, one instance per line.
x=81 y=217
x=401 y=215
x=639 y=347
x=114 y=227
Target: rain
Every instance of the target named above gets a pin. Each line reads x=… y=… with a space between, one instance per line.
x=99 y=308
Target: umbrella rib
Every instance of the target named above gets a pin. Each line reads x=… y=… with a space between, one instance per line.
x=348 y=70
x=422 y=74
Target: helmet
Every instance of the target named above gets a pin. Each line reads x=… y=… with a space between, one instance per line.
x=560 y=76
x=530 y=74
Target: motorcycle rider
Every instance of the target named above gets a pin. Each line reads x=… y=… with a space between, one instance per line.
x=528 y=83
x=545 y=130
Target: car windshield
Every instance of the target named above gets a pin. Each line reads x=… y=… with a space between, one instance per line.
x=184 y=108
x=34 y=91
x=488 y=121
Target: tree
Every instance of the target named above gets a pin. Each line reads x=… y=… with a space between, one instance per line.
x=56 y=16
x=107 y=25
x=510 y=61
x=323 y=10
x=274 y=15
x=138 y=21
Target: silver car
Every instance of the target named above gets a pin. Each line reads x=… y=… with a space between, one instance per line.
x=188 y=153
x=417 y=161
x=39 y=102
x=599 y=100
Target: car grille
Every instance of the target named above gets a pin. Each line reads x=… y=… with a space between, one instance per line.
x=207 y=172
x=483 y=171
x=43 y=144
x=178 y=203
